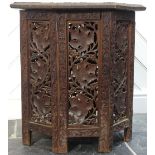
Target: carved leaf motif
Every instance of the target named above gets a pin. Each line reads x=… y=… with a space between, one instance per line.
x=83 y=72
x=119 y=70
x=39 y=69
x=40 y=77
x=80 y=105
x=40 y=36
x=81 y=37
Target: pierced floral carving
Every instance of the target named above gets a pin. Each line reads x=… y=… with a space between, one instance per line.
x=119 y=55
x=40 y=78
x=61 y=80
x=83 y=72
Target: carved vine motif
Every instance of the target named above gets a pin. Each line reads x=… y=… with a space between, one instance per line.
x=83 y=72
x=40 y=77
x=119 y=70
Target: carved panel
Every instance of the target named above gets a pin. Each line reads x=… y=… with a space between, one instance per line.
x=119 y=61
x=40 y=77
x=39 y=15
x=83 y=72
x=83 y=15
x=83 y=133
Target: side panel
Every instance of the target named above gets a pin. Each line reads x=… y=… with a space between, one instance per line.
x=84 y=45
x=39 y=76
x=40 y=71
x=89 y=63
x=43 y=79
x=42 y=66
x=122 y=56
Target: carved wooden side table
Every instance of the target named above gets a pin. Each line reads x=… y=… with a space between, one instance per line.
x=77 y=63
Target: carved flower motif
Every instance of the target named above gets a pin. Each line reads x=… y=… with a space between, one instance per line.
x=80 y=105
x=81 y=38
x=84 y=73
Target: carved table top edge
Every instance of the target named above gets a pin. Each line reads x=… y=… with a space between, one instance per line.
x=102 y=6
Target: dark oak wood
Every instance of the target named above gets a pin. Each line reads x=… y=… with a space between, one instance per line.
x=77 y=70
